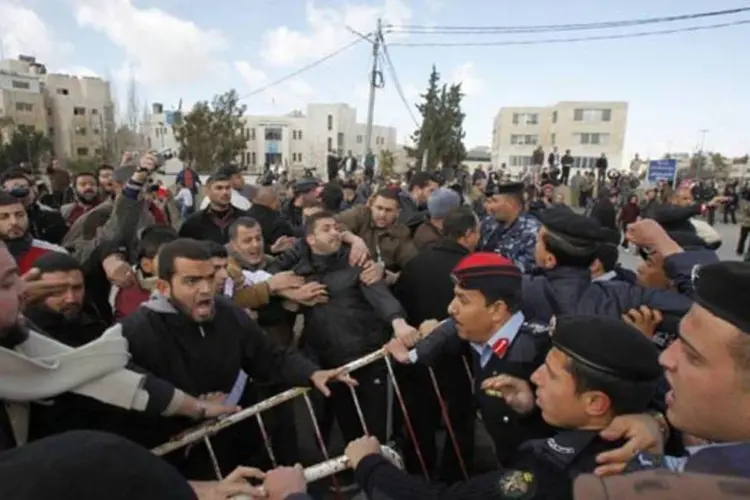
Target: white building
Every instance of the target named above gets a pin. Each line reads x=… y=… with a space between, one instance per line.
x=586 y=128
x=295 y=140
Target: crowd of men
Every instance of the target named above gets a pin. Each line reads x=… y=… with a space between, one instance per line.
x=129 y=315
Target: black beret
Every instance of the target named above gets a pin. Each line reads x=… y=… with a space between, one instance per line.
x=515 y=188
x=722 y=289
x=608 y=345
x=563 y=221
x=303 y=186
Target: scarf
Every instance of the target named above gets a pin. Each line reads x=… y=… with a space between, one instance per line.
x=42 y=368
x=147 y=283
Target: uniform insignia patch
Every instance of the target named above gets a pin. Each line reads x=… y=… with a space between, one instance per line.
x=517 y=485
x=552 y=325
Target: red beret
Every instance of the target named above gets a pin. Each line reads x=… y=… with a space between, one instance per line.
x=483 y=270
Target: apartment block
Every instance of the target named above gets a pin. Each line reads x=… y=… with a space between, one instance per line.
x=75 y=112
x=586 y=128
x=295 y=140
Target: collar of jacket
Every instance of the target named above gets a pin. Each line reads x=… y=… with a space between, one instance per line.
x=450 y=246
x=564 y=447
x=310 y=263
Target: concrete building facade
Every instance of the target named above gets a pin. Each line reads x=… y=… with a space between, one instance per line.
x=586 y=128
x=295 y=140
x=75 y=112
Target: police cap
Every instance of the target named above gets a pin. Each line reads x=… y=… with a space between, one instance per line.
x=564 y=222
x=608 y=345
x=514 y=188
x=484 y=271
x=722 y=289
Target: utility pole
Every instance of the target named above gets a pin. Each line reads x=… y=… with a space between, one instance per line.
x=703 y=133
x=374 y=84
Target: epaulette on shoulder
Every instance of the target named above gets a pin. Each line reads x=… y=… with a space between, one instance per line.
x=535 y=328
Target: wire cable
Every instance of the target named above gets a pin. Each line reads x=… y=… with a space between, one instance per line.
x=549 y=41
x=425 y=30
x=304 y=68
x=396 y=83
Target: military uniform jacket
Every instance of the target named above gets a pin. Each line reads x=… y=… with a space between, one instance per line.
x=515 y=242
x=507 y=428
x=545 y=471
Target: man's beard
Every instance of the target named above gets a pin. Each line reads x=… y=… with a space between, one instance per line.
x=187 y=311
x=13 y=335
x=87 y=198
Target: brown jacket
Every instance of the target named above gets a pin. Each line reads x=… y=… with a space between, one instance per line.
x=392 y=245
x=426 y=235
x=247 y=297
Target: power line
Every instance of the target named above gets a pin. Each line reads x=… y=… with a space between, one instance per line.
x=548 y=41
x=472 y=30
x=396 y=83
x=307 y=67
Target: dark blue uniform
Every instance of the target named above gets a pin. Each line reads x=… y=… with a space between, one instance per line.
x=545 y=469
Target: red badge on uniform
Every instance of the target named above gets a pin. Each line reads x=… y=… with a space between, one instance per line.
x=500 y=347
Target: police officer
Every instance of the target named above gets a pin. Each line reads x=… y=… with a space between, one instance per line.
x=598 y=368
x=507 y=230
x=708 y=371
x=486 y=310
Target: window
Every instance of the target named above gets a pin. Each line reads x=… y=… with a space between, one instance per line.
x=299 y=137
x=96 y=131
x=553 y=138
x=525 y=118
x=593 y=139
x=62 y=91
x=273 y=134
x=252 y=158
x=51 y=131
x=520 y=161
x=252 y=134
x=340 y=140
x=524 y=139
x=49 y=111
x=554 y=117
x=330 y=122
x=82 y=151
x=330 y=144
x=359 y=139
x=294 y=138
x=98 y=151
x=79 y=111
x=80 y=130
x=24 y=106
x=19 y=84
x=585 y=162
x=299 y=157
x=592 y=115
x=94 y=111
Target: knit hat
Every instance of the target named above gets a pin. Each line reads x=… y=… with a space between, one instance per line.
x=442 y=201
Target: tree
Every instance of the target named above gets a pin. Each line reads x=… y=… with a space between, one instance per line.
x=78 y=165
x=386 y=162
x=25 y=145
x=441 y=133
x=212 y=134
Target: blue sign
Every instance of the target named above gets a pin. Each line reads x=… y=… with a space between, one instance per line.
x=661 y=170
x=272 y=147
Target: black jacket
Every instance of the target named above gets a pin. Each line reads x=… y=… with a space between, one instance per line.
x=206 y=225
x=356 y=319
x=429 y=270
x=293 y=216
x=46 y=223
x=272 y=224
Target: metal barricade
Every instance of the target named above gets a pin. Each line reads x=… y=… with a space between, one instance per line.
x=334 y=465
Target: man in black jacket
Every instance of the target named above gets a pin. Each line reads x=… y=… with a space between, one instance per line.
x=278 y=234
x=431 y=270
x=212 y=223
x=191 y=338
x=356 y=320
x=45 y=223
